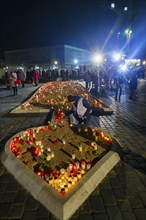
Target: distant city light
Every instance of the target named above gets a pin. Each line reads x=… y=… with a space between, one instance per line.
x=128 y=32
x=125 y=8
x=117 y=56
x=98 y=58
x=55 y=62
x=75 y=61
x=123 y=68
x=112 y=5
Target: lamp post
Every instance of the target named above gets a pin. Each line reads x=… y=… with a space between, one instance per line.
x=128 y=33
x=98 y=59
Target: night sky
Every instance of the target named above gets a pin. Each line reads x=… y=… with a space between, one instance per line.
x=88 y=24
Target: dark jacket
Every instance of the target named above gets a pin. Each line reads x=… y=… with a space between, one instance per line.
x=85 y=104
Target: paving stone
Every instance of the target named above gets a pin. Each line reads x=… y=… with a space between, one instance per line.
x=75 y=215
x=85 y=208
x=101 y=216
x=132 y=175
x=118 y=193
x=128 y=216
x=21 y=196
x=137 y=183
x=142 y=195
x=9 y=196
x=140 y=159
x=3 y=186
x=97 y=204
x=13 y=187
x=85 y=217
x=140 y=213
x=134 y=163
x=136 y=202
x=31 y=204
x=42 y=212
x=111 y=174
x=114 y=213
x=96 y=191
x=29 y=215
x=108 y=197
x=105 y=184
x=4 y=208
x=2 y=169
x=115 y=182
x=124 y=205
x=16 y=211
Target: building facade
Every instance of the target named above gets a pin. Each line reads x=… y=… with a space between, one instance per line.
x=46 y=57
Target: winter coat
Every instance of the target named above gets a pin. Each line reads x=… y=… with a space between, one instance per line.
x=13 y=78
x=21 y=76
x=35 y=75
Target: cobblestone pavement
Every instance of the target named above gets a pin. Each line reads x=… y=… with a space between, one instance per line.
x=122 y=193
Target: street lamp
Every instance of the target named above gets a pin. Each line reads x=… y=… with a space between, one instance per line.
x=75 y=61
x=98 y=59
x=128 y=33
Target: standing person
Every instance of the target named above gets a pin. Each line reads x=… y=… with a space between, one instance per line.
x=13 y=82
x=87 y=79
x=133 y=85
x=81 y=109
x=119 y=86
x=6 y=78
x=35 y=76
x=21 y=76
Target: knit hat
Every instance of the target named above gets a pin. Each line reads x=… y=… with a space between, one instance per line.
x=71 y=98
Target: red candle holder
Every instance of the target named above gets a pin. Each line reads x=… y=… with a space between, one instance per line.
x=55 y=142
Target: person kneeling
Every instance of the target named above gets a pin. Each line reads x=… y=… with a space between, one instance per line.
x=81 y=109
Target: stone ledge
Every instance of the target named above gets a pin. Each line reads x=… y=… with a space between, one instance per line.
x=63 y=207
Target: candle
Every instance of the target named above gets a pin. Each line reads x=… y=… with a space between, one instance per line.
x=47 y=177
x=96 y=138
x=83 y=165
x=62 y=171
x=80 y=148
x=48 y=158
x=77 y=165
x=79 y=175
x=52 y=154
x=79 y=130
x=73 y=156
x=42 y=150
x=95 y=146
x=88 y=166
x=82 y=171
x=70 y=166
x=63 y=141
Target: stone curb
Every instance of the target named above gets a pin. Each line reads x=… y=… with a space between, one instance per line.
x=63 y=207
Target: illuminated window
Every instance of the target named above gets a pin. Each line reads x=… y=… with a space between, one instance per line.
x=125 y=8
x=112 y=5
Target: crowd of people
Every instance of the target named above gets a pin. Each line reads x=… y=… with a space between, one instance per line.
x=93 y=77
